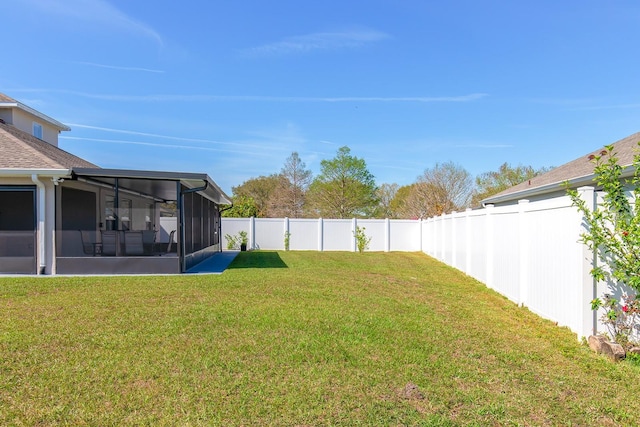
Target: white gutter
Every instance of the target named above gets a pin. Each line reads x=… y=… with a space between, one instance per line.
x=42 y=193
x=20 y=172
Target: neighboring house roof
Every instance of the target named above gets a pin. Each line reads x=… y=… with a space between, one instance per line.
x=21 y=150
x=577 y=172
x=8 y=102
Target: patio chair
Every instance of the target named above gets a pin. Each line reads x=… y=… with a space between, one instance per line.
x=133 y=244
x=173 y=232
x=108 y=242
x=88 y=239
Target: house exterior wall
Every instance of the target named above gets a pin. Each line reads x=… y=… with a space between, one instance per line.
x=24 y=121
x=6 y=115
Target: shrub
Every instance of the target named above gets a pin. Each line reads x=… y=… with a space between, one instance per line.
x=613 y=234
x=621 y=319
x=362 y=240
x=234 y=242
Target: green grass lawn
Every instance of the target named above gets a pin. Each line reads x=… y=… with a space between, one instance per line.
x=296 y=338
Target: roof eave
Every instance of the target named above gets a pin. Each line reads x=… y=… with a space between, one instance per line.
x=580 y=181
x=36 y=113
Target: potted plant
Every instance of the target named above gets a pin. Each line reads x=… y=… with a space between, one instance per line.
x=243 y=240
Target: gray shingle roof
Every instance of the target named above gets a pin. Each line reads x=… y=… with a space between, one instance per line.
x=581 y=167
x=23 y=151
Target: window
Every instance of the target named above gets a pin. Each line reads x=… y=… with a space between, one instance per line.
x=37 y=130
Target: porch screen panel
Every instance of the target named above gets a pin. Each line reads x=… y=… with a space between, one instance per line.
x=17 y=222
x=197 y=222
x=206 y=206
x=215 y=227
x=188 y=223
x=78 y=218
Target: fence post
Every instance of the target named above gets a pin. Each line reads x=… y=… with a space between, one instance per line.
x=588 y=320
x=453 y=245
x=387 y=235
x=467 y=241
x=443 y=239
x=320 y=235
x=490 y=245
x=354 y=225
x=252 y=233
x=523 y=247
x=286 y=232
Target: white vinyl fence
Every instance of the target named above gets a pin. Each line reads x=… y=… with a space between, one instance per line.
x=326 y=234
x=529 y=252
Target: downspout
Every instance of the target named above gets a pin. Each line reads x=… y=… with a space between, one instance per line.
x=220 y=224
x=42 y=266
x=181 y=225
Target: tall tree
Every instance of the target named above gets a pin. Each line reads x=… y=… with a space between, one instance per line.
x=243 y=207
x=444 y=188
x=344 y=189
x=399 y=205
x=490 y=183
x=288 y=198
x=259 y=190
x=386 y=193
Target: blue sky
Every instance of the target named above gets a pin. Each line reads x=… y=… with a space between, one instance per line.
x=232 y=88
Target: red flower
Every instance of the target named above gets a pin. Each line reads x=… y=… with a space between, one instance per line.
x=625 y=233
x=625 y=308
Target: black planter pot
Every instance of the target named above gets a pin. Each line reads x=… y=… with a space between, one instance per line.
x=243 y=247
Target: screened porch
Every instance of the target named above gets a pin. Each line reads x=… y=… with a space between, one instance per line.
x=135 y=222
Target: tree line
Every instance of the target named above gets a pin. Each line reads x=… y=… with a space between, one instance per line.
x=345 y=188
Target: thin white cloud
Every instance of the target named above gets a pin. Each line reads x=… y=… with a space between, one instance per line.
x=156 y=144
x=484 y=146
x=608 y=107
x=158 y=136
x=257 y=98
x=333 y=40
x=261 y=145
x=115 y=67
x=96 y=12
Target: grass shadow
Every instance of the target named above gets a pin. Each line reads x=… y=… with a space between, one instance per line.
x=258 y=259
